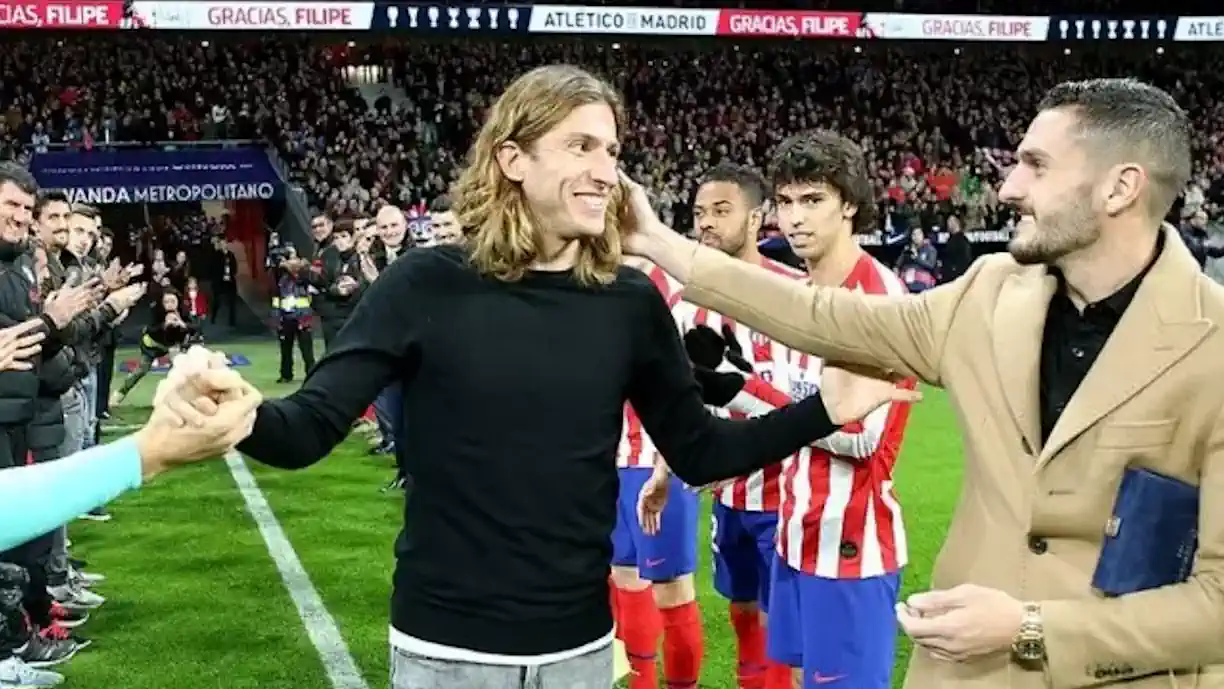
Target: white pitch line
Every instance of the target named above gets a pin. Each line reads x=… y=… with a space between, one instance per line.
x=341 y=669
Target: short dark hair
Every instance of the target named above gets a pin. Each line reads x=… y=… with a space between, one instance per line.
x=86 y=210
x=344 y=226
x=106 y=232
x=17 y=175
x=821 y=156
x=46 y=197
x=441 y=204
x=749 y=181
x=1133 y=120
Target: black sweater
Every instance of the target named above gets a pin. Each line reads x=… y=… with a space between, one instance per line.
x=513 y=400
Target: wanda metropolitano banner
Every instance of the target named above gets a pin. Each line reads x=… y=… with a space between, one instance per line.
x=526 y=18
x=103 y=177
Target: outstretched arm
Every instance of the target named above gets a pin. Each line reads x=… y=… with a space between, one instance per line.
x=902 y=334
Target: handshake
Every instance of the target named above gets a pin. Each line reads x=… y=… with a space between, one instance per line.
x=201 y=410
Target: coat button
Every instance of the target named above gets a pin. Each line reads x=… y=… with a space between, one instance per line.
x=1038 y=545
x=849 y=550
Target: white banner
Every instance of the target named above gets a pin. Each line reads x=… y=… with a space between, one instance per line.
x=576 y=19
x=255 y=16
x=1199 y=29
x=956 y=27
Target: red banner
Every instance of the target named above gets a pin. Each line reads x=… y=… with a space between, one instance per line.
x=107 y=14
x=789 y=24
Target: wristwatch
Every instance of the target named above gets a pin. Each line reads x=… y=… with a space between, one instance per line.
x=1028 y=646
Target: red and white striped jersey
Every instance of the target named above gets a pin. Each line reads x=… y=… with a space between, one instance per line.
x=636 y=449
x=759 y=491
x=840 y=518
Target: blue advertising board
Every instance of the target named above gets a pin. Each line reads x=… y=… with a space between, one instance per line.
x=103 y=177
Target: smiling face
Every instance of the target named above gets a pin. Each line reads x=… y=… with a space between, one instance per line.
x=813 y=217
x=1053 y=188
x=16 y=212
x=569 y=173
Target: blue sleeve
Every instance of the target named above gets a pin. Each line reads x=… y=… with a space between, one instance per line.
x=37 y=498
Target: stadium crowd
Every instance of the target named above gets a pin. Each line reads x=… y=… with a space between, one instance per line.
x=936 y=125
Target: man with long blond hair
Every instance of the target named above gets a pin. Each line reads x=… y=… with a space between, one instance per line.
x=517 y=352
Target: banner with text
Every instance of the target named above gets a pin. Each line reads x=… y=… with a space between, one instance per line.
x=108 y=14
x=644 y=21
x=954 y=27
x=1199 y=29
x=226 y=15
x=146 y=176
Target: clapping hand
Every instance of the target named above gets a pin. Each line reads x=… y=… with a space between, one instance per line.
x=66 y=303
x=19 y=344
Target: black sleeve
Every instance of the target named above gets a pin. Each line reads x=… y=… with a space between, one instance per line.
x=375 y=347
x=699 y=447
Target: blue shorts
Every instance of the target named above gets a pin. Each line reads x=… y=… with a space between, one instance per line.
x=671 y=553
x=841 y=632
x=743 y=544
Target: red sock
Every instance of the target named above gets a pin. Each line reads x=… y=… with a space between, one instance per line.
x=683 y=646
x=614 y=601
x=778 y=676
x=749 y=647
x=642 y=627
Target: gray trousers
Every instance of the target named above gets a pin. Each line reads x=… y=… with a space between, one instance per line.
x=590 y=671
x=76 y=430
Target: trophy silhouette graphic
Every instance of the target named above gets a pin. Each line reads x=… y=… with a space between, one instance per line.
x=454 y=17
x=513 y=14
x=433 y=17
x=412 y=17
x=393 y=16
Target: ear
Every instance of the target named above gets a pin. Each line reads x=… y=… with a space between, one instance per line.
x=1126 y=183
x=849 y=210
x=756 y=218
x=511 y=159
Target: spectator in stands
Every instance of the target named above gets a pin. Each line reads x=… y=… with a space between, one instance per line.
x=919 y=262
x=445 y=227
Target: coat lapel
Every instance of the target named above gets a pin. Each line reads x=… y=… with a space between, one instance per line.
x=1162 y=325
x=1019 y=319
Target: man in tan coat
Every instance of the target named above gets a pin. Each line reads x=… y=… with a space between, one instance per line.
x=1094 y=346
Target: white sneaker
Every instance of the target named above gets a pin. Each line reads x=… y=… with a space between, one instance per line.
x=15 y=674
x=75 y=596
x=84 y=579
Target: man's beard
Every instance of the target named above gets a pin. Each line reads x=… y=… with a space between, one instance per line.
x=1057 y=234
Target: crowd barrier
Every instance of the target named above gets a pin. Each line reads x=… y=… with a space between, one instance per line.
x=460 y=18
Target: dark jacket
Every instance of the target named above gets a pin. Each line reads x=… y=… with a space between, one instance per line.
x=20 y=301
x=84 y=332
x=330 y=305
x=55 y=377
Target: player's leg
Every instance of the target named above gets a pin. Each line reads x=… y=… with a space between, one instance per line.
x=850 y=635
x=668 y=560
x=784 y=634
x=737 y=578
x=762 y=529
x=638 y=623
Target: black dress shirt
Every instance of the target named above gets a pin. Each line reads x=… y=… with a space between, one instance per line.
x=1072 y=341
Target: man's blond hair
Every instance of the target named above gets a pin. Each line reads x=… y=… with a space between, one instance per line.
x=492 y=210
